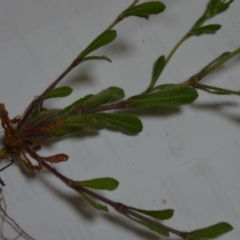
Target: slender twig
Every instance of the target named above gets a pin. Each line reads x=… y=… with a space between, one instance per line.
x=119 y=207
x=8 y=165
x=184 y=38
x=40 y=98
x=119 y=18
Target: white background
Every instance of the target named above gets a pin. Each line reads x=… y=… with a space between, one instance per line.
x=185 y=158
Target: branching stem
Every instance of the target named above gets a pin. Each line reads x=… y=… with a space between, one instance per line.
x=119 y=207
x=36 y=102
x=120 y=17
x=184 y=38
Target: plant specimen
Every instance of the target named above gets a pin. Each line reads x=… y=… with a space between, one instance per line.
x=24 y=135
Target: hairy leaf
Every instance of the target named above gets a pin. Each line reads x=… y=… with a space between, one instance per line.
x=99 y=183
x=89 y=122
x=157 y=70
x=212 y=231
x=103 y=39
x=125 y=123
x=59 y=92
x=215 y=61
x=158 y=214
x=217 y=6
x=74 y=105
x=43 y=114
x=151 y=227
x=109 y=95
x=169 y=98
x=209 y=29
x=92 y=122
x=164 y=86
x=59 y=133
x=144 y=9
x=93 y=203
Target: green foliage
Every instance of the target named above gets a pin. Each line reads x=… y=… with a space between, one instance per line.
x=217 y=90
x=211 y=232
x=125 y=123
x=208 y=29
x=151 y=227
x=214 y=7
x=157 y=214
x=167 y=98
x=144 y=10
x=109 y=95
x=216 y=63
x=106 y=183
x=96 y=205
x=157 y=70
x=88 y=113
x=217 y=6
x=59 y=92
x=103 y=39
x=89 y=122
x=165 y=86
x=74 y=105
x=223 y=55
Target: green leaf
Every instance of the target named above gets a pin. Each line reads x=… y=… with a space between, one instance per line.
x=97 y=58
x=43 y=113
x=214 y=7
x=163 y=87
x=93 y=203
x=59 y=92
x=157 y=214
x=109 y=95
x=219 y=58
x=89 y=122
x=93 y=122
x=212 y=231
x=216 y=90
x=103 y=39
x=217 y=6
x=59 y=133
x=142 y=16
x=74 y=105
x=125 y=123
x=151 y=227
x=208 y=29
x=157 y=70
x=168 y=98
x=144 y=9
x=99 y=183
